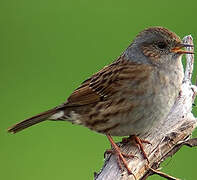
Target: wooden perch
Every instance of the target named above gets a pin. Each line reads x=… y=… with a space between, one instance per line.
x=166 y=139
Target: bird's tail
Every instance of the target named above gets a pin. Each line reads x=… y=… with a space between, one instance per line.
x=31 y=121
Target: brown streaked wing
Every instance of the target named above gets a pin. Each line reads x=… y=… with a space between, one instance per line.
x=82 y=96
x=106 y=82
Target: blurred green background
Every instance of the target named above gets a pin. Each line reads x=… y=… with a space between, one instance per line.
x=47 y=49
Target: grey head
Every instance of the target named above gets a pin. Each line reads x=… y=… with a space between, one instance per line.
x=155 y=45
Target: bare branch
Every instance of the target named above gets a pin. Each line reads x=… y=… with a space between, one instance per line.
x=190 y=59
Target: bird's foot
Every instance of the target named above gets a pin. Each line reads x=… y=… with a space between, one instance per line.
x=139 y=143
x=121 y=161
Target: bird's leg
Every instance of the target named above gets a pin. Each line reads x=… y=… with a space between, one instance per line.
x=139 y=142
x=119 y=155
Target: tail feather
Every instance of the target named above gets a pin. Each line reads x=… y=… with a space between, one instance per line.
x=31 y=121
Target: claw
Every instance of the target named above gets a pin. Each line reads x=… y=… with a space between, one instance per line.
x=120 y=156
x=139 y=144
x=109 y=151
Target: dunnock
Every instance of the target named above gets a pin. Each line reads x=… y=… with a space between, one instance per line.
x=129 y=96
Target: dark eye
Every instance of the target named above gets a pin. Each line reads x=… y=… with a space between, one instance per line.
x=161 y=45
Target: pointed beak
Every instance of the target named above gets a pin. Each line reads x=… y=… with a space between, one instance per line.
x=178 y=49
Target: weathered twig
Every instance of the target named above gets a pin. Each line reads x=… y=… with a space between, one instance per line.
x=166 y=139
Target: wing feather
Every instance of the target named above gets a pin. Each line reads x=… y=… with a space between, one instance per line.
x=107 y=82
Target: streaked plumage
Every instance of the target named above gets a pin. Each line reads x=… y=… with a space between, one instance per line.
x=129 y=96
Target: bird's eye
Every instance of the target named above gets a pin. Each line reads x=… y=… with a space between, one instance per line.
x=161 y=45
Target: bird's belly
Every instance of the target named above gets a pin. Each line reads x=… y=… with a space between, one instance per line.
x=154 y=107
x=141 y=119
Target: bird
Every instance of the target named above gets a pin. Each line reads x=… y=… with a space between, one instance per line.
x=129 y=96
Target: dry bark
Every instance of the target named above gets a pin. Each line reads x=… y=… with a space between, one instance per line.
x=166 y=139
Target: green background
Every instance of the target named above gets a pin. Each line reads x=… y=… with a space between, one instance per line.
x=47 y=48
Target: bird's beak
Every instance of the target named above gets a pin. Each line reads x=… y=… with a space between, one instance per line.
x=178 y=49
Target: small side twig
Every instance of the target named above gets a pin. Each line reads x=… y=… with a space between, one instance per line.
x=166 y=176
x=191 y=142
